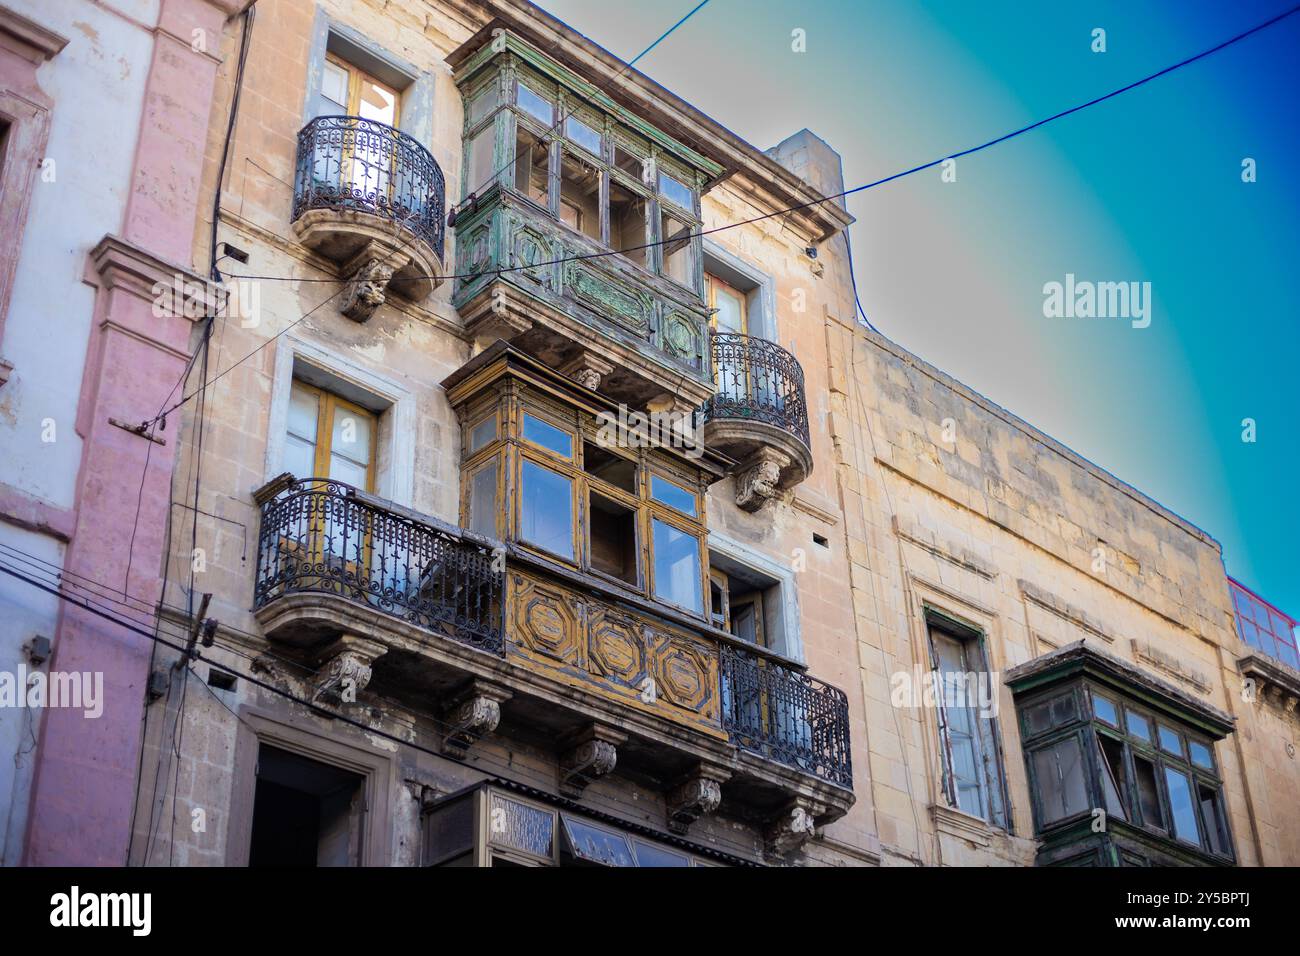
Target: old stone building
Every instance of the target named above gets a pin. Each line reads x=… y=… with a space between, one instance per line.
x=549 y=504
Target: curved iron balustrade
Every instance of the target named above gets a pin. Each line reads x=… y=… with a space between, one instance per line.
x=346 y=162
x=786 y=716
x=757 y=381
x=318 y=536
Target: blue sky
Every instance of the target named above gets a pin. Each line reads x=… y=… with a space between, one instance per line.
x=1145 y=187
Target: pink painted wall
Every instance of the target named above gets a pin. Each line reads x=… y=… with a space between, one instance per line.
x=85 y=782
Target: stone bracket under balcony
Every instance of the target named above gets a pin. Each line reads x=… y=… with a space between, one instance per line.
x=371 y=199
x=758 y=416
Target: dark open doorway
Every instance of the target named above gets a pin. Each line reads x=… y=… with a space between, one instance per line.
x=305 y=813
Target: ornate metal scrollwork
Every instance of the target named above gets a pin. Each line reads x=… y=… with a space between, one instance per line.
x=322 y=536
x=786 y=716
x=346 y=162
x=757 y=381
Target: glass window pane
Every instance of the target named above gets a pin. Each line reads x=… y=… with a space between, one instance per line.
x=1180 y=805
x=582 y=134
x=596 y=844
x=1114 y=776
x=679 y=251
x=676 y=191
x=1170 y=741
x=677 y=567
x=647 y=854
x=1058 y=771
x=627 y=222
x=546 y=510
x=351 y=436
x=1138 y=725
x=480 y=159
x=1148 y=793
x=535 y=105
x=482 y=434
x=673 y=495
x=334 y=86
x=483 y=500
x=1201 y=754
x=349 y=472
x=304 y=407
x=1105 y=709
x=580 y=195
x=730 y=316
x=299 y=457
x=483 y=104
x=1216 y=827
x=522 y=827
x=543 y=433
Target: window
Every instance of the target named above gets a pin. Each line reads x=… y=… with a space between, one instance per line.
x=1148 y=793
x=329 y=437
x=551 y=437
x=593 y=175
x=1148 y=772
x=532 y=166
x=550 y=478
x=973 y=775
x=676 y=192
x=483 y=507
x=628 y=162
x=580 y=195
x=1058 y=774
x=673 y=495
x=546 y=509
x=613 y=538
x=348 y=90
x=1105 y=709
x=1263 y=626
x=678 y=576
x=534 y=104
x=678 y=248
x=1114 y=776
x=627 y=222
x=609 y=467
x=583 y=134
x=1182 y=808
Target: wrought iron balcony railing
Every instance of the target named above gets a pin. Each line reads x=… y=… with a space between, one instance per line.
x=757 y=381
x=786 y=716
x=322 y=536
x=349 y=163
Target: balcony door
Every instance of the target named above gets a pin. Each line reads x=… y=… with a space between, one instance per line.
x=365 y=159
x=731 y=315
x=330 y=438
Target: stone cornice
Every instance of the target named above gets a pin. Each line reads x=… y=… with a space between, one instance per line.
x=27 y=38
x=115 y=263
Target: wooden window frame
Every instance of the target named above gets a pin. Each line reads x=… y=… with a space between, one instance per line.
x=327 y=403
x=356 y=77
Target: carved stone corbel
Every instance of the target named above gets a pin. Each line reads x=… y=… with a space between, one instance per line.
x=792 y=828
x=588 y=370
x=369 y=273
x=473 y=713
x=588 y=754
x=699 y=793
x=758 y=480
x=345 y=670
